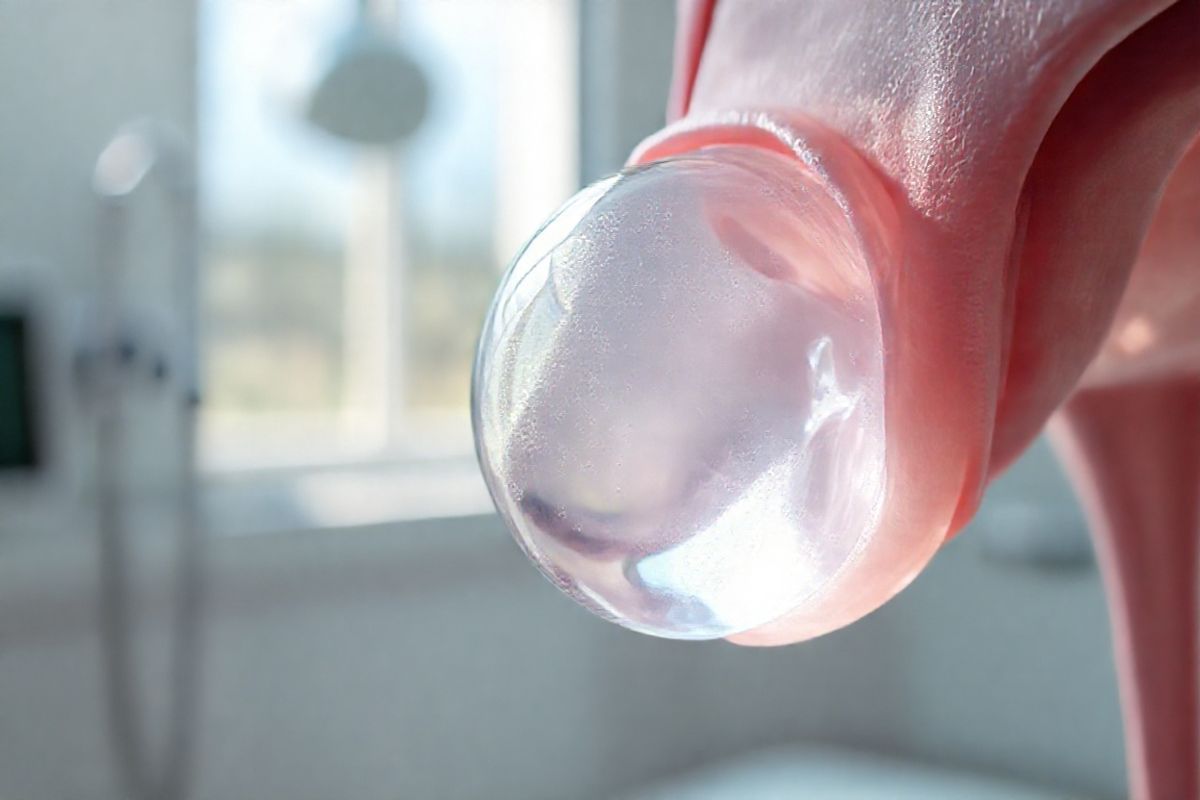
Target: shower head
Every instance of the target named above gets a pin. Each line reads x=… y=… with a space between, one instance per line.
x=372 y=93
x=137 y=149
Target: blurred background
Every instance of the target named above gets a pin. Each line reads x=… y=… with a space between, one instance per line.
x=360 y=625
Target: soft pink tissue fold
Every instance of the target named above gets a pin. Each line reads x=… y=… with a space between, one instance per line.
x=748 y=387
x=1044 y=165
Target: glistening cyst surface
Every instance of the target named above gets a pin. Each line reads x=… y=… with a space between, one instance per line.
x=678 y=395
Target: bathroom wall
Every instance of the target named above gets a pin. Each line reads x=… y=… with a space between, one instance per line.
x=71 y=73
x=429 y=660
x=625 y=66
x=426 y=659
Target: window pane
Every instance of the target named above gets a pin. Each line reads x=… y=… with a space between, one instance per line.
x=345 y=284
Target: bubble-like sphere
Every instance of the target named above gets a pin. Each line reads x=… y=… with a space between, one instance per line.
x=678 y=396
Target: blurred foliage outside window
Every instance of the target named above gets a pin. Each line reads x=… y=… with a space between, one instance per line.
x=344 y=286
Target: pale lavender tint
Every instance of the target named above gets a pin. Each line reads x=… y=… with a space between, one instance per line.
x=678 y=395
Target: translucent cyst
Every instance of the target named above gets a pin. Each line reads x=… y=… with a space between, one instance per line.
x=678 y=397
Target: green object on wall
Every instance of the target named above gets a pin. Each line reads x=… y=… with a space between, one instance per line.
x=18 y=446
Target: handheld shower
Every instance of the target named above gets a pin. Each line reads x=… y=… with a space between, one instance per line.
x=139 y=152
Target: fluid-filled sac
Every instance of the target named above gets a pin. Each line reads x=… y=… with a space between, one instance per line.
x=748 y=387
x=679 y=395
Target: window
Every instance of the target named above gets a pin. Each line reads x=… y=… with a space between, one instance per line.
x=344 y=285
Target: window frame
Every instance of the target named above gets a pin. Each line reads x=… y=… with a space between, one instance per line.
x=383 y=474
